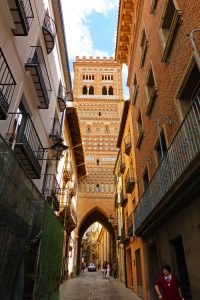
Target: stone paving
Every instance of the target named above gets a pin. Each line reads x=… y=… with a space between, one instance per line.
x=91 y=286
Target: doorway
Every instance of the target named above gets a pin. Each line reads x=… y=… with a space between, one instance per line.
x=129 y=268
x=154 y=270
x=180 y=267
x=139 y=273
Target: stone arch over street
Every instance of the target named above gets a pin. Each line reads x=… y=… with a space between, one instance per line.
x=95 y=215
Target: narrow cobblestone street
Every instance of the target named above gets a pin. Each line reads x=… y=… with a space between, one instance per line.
x=91 y=286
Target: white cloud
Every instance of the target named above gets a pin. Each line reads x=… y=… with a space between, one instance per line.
x=124 y=80
x=79 y=39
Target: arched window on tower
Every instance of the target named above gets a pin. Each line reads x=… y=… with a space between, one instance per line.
x=85 y=90
x=91 y=90
x=86 y=77
x=104 y=90
x=92 y=77
x=110 y=91
x=97 y=162
x=97 y=188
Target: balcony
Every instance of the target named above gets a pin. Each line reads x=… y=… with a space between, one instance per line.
x=22 y=14
x=49 y=31
x=62 y=97
x=128 y=144
x=51 y=191
x=124 y=238
x=130 y=225
x=122 y=165
x=55 y=132
x=177 y=169
x=124 y=199
x=7 y=86
x=26 y=143
x=37 y=67
x=130 y=181
x=68 y=217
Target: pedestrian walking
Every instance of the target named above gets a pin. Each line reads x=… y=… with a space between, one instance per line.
x=104 y=268
x=167 y=286
x=108 y=271
x=83 y=267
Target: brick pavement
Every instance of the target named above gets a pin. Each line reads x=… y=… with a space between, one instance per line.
x=91 y=286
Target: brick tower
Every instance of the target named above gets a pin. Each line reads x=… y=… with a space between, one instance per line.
x=98 y=97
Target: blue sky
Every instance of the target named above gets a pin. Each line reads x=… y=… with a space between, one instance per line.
x=90 y=28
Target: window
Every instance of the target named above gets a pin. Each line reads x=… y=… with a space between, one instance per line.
x=169 y=27
x=86 y=77
x=83 y=77
x=143 y=47
x=92 y=77
x=107 y=130
x=85 y=90
x=151 y=91
x=104 y=90
x=145 y=179
x=161 y=147
x=139 y=130
x=189 y=87
x=102 y=77
x=111 y=77
x=97 y=162
x=89 y=129
x=91 y=90
x=99 y=114
x=135 y=89
x=153 y=6
x=97 y=188
x=110 y=90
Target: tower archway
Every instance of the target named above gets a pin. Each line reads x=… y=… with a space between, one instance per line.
x=95 y=215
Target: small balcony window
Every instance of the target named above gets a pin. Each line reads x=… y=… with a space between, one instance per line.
x=22 y=14
x=7 y=86
x=160 y=148
x=139 y=130
x=37 y=66
x=135 y=89
x=153 y=6
x=128 y=144
x=151 y=92
x=143 y=47
x=145 y=179
x=130 y=181
x=49 y=31
x=169 y=28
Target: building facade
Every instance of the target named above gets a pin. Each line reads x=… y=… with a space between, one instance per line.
x=35 y=86
x=98 y=97
x=130 y=246
x=157 y=42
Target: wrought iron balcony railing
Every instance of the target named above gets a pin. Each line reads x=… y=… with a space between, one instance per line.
x=26 y=143
x=128 y=144
x=124 y=238
x=49 y=31
x=7 y=86
x=124 y=199
x=22 y=15
x=130 y=225
x=130 y=181
x=37 y=67
x=55 y=132
x=52 y=191
x=62 y=97
x=182 y=151
x=122 y=165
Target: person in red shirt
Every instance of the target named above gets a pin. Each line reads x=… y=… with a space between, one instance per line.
x=167 y=286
